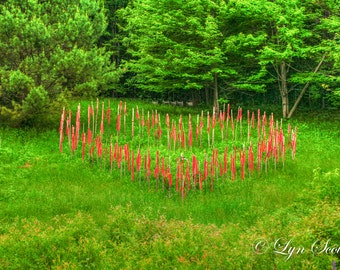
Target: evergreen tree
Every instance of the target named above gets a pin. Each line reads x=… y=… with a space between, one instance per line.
x=49 y=52
x=112 y=40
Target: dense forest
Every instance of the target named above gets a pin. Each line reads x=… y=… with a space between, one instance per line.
x=212 y=52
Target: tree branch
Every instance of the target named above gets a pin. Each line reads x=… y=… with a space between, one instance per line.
x=305 y=88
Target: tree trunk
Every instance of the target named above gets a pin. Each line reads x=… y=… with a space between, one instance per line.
x=216 y=105
x=284 y=89
x=305 y=88
x=207 y=96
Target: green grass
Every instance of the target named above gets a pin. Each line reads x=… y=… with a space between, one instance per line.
x=58 y=212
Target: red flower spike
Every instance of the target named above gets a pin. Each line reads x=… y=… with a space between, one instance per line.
x=208 y=123
x=239 y=114
x=221 y=120
x=77 y=124
x=156 y=171
x=228 y=111
x=148 y=124
x=88 y=115
x=213 y=120
x=250 y=159
x=180 y=123
x=225 y=160
x=115 y=152
x=91 y=151
x=264 y=118
x=253 y=120
x=133 y=124
x=259 y=155
x=138 y=160
x=102 y=121
x=159 y=132
x=137 y=113
x=61 y=131
x=111 y=155
x=205 y=169
x=73 y=137
x=193 y=166
x=242 y=161
x=120 y=106
x=83 y=144
x=68 y=125
x=201 y=122
x=133 y=166
x=167 y=121
x=169 y=176
x=97 y=108
x=89 y=136
x=142 y=120
x=269 y=148
x=120 y=156
x=248 y=117
x=187 y=175
x=294 y=143
x=233 y=167
x=216 y=157
x=200 y=181
x=212 y=167
x=148 y=164
x=99 y=146
x=163 y=169
x=174 y=132
x=127 y=155
x=183 y=139
x=118 y=123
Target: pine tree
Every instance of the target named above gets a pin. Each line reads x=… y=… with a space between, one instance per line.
x=49 y=52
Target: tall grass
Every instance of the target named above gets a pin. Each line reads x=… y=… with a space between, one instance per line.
x=60 y=212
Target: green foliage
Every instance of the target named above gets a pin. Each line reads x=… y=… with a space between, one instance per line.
x=57 y=212
x=23 y=103
x=247 y=46
x=189 y=46
x=36 y=103
x=69 y=242
x=50 y=50
x=13 y=84
x=157 y=49
x=187 y=50
x=129 y=240
x=325 y=184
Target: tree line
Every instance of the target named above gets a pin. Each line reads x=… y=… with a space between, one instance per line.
x=205 y=51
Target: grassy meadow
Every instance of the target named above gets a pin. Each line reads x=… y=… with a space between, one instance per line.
x=60 y=212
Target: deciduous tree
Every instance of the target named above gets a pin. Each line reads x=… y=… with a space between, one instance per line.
x=184 y=45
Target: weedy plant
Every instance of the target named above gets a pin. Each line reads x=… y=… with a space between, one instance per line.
x=181 y=154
